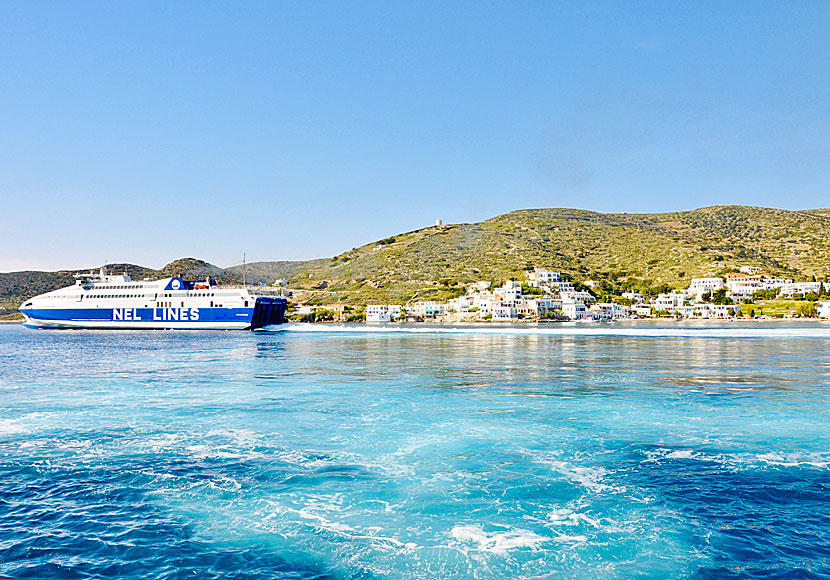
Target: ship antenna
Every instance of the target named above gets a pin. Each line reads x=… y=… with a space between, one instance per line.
x=244 y=270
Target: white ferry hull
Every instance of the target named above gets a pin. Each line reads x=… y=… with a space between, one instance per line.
x=116 y=302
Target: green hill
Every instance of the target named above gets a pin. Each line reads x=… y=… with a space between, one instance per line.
x=626 y=250
x=644 y=251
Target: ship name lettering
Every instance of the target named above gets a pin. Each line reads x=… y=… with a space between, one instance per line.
x=174 y=314
x=125 y=314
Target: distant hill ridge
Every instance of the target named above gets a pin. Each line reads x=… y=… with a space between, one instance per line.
x=622 y=249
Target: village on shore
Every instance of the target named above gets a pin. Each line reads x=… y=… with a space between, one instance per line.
x=546 y=296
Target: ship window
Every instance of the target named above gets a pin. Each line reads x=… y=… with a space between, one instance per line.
x=246 y=304
x=211 y=303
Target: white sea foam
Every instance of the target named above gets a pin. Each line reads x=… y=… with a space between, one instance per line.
x=741 y=461
x=498 y=542
x=680 y=454
x=800 y=459
x=567 y=517
x=570 y=329
x=591 y=478
x=11 y=427
x=25 y=423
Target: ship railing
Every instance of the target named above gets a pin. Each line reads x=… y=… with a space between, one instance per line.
x=261 y=290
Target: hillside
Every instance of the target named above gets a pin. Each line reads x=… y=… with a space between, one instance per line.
x=637 y=250
x=646 y=251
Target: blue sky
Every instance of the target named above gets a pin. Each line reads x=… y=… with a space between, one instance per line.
x=145 y=132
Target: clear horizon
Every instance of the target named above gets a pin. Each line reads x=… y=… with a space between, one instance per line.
x=146 y=133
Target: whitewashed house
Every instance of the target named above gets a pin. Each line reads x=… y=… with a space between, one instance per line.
x=511 y=292
x=743 y=286
x=504 y=312
x=700 y=286
x=480 y=286
x=541 y=277
x=427 y=309
x=641 y=310
x=462 y=304
x=636 y=297
x=800 y=288
x=823 y=309
x=484 y=302
x=610 y=310
x=382 y=312
x=670 y=302
x=563 y=287
x=771 y=282
x=542 y=304
x=716 y=310
x=574 y=309
x=574 y=295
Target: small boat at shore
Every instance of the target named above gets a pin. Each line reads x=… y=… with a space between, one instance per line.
x=100 y=300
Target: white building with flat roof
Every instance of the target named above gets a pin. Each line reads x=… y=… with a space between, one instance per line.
x=574 y=295
x=511 y=292
x=636 y=297
x=610 y=310
x=462 y=304
x=504 y=312
x=670 y=302
x=382 y=312
x=563 y=286
x=770 y=282
x=427 y=309
x=541 y=277
x=480 y=286
x=641 y=309
x=700 y=286
x=743 y=286
x=800 y=288
x=715 y=310
x=574 y=309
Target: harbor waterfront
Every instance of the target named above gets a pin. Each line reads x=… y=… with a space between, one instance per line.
x=633 y=449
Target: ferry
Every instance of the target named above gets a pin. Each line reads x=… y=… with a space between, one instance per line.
x=100 y=300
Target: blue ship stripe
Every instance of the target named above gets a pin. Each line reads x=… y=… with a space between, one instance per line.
x=141 y=314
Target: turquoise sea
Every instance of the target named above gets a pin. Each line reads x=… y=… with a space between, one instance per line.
x=595 y=451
